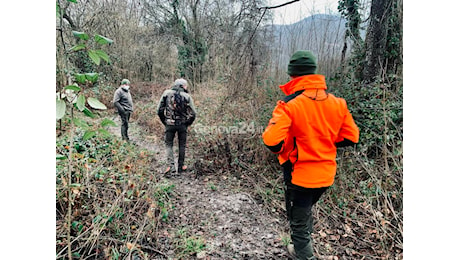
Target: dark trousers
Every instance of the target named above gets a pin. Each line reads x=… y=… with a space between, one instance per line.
x=170 y=133
x=124 y=124
x=299 y=204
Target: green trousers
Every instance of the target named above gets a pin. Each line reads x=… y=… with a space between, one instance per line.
x=299 y=203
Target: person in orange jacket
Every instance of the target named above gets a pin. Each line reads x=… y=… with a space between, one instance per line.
x=305 y=130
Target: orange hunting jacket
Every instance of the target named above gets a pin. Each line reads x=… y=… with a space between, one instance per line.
x=305 y=129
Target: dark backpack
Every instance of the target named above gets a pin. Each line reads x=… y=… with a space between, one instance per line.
x=178 y=103
x=176 y=109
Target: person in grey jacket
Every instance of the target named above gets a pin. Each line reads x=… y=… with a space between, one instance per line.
x=123 y=101
x=176 y=111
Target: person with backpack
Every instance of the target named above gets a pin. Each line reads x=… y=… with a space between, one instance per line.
x=177 y=112
x=305 y=131
x=123 y=102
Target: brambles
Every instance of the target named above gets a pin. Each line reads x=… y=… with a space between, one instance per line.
x=116 y=197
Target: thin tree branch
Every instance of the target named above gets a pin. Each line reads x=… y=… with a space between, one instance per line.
x=281 y=5
x=70 y=21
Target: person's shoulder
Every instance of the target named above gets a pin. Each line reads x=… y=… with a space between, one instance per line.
x=338 y=100
x=167 y=91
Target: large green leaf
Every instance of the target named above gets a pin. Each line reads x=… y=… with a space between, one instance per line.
x=73 y=87
x=78 y=47
x=81 y=102
x=80 y=78
x=107 y=122
x=81 y=35
x=102 y=40
x=103 y=55
x=88 y=112
x=94 y=57
x=92 y=77
x=89 y=134
x=60 y=109
x=94 y=103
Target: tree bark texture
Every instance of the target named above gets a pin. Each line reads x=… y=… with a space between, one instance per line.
x=376 y=39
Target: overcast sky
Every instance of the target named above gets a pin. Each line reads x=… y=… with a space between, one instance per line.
x=299 y=10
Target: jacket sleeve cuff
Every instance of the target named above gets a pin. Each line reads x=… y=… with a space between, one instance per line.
x=344 y=143
x=276 y=148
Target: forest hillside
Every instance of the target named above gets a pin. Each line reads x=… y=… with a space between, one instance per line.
x=113 y=200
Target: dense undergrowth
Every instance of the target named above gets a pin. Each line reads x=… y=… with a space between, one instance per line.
x=117 y=203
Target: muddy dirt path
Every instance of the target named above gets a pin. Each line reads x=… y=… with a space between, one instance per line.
x=230 y=223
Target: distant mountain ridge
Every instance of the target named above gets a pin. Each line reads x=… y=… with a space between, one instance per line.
x=309 y=19
x=323 y=34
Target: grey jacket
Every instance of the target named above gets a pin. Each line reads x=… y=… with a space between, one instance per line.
x=122 y=100
x=168 y=117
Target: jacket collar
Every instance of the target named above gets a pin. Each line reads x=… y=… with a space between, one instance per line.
x=314 y=81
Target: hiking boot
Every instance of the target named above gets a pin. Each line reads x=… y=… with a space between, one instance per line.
x=292 y=254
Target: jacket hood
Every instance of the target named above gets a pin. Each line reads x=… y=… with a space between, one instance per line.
x=314 y=81
x=178 y=88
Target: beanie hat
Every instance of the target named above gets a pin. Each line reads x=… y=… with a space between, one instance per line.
x=125 y=82
x=302 y=63
x=180 y=82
